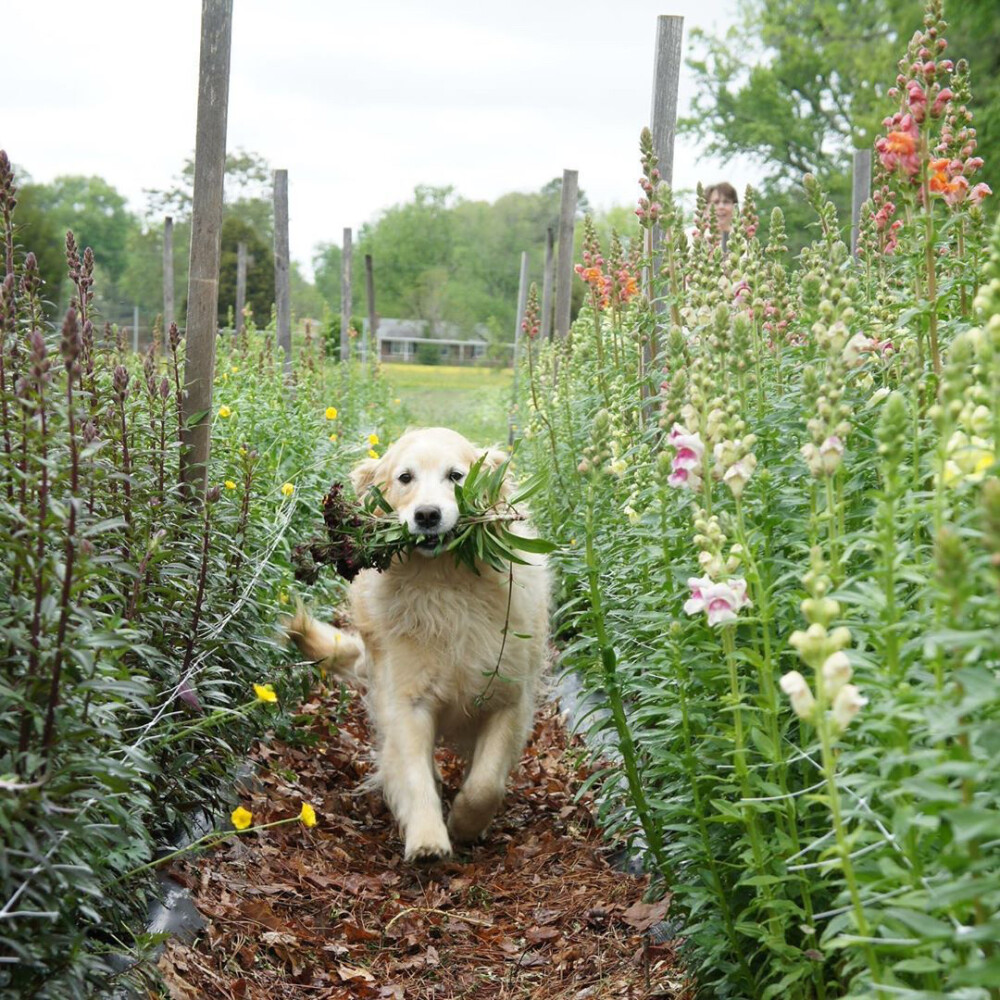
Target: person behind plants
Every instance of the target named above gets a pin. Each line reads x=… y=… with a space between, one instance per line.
x=723 y=197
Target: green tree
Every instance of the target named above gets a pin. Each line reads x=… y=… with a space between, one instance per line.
x=795 y=87
x=96 y=213
x=260 y=271
x=36 y=231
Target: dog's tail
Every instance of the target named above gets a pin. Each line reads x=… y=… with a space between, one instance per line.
x=340 y=652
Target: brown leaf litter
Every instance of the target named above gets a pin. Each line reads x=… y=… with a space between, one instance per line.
x=535 y=911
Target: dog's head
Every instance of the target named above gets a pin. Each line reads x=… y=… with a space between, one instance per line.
x=417 y=475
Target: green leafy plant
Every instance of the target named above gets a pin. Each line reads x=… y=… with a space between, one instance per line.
x=365 y=534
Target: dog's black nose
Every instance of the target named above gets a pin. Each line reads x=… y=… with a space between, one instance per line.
x=427 y=518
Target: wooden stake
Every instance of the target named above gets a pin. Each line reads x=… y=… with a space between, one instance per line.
x=282 y=289
x=345 y=296
x=168 y=272
x=564 y=267
x=206 y=235
x=372 y=337
x=241 y=286
x=862 y=191
x=522 y=304
x=547 y=275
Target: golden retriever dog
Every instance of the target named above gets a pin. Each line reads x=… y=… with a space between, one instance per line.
x=426 y=642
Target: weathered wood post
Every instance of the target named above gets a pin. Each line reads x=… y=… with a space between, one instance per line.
x=522 y=303
x=663 y=126
x=241 y=286
x=206 y=235
x=862 y=191
x=564 y=267
x=168 y=272
x=545 y=331
x=345 y=296
x=282 y=289
x=372 y=316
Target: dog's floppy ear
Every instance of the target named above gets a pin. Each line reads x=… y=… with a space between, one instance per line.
x=363 y=475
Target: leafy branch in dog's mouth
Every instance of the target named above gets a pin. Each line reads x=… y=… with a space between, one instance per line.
x=364 y=534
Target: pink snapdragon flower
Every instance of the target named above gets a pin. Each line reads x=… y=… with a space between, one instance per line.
x=721 y=602
x=687 y=462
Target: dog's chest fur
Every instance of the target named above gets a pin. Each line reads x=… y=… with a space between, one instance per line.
x=451 y=623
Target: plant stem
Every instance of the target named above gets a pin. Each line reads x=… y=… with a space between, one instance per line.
x=609 y=662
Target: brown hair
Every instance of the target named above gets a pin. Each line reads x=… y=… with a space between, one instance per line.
x=725 y=189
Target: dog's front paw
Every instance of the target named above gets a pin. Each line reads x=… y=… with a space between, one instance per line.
x=423 y=846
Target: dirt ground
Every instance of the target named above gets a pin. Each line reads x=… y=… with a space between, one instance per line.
x=331 y=912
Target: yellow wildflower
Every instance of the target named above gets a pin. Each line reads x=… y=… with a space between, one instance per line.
x=241 y=818
x=308 y=814
x=234 y=369
x=224 y=411
x=288 y=489
x=397 y=401
x=282 y=598
x=373 y=439
x=230 y=485
x=372 y=453
x=331 y=413
x=264 y=692
x=242 y=450
x=333 y=437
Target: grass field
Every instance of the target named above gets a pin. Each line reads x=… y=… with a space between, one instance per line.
x=473 y=401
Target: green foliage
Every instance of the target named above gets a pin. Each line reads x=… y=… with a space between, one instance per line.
x=797 y=87
x=260 y=271
x=778 y=570
x=134 y=618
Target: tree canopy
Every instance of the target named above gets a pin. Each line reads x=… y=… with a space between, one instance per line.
x=796 y=87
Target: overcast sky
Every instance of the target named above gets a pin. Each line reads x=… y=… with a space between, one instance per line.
x=360 y=102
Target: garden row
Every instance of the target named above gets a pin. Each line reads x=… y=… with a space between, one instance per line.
x=139 y=651
x=775 y=487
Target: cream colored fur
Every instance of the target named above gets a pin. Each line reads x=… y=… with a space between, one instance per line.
x=426 y=637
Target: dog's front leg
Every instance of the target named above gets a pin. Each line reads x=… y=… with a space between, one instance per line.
x=498 y=748
x=409 y=781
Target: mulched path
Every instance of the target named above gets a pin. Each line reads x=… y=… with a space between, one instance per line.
x=331 y=912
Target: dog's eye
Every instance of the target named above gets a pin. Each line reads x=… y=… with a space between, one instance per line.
x=455 y=476
x=405 y=477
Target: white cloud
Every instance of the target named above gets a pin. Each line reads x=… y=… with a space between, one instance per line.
x=359 y=103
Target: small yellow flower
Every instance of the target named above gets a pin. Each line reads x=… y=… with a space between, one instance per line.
x=308 y=814
x=397 y=401
x=224 y=411
x=288 y=489
x=264 y=692
x=230 y=485
x=234 y=369
x=242 y=450
x=372 y=453
x=331 y=413
x=282 y=598
x=373 y=439
x=333 y=437
x=241 y=818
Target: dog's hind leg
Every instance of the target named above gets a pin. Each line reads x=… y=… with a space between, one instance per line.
x=410 y=780
x=498 y=748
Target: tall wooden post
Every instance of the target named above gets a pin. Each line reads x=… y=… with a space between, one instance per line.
x=345 y=296
x=241 y=286
x=547 y=274
x=206 y=235
x=282 y=289
x=372 y=315
x=663 y=126
x=862 y=191
x=666 y=80
x=168 y=272
x=522 y=304
x=564 y=267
